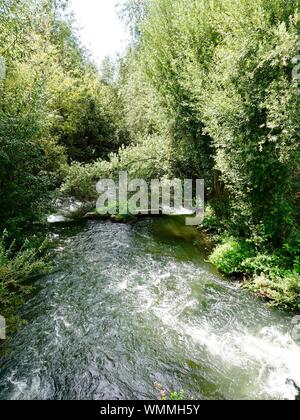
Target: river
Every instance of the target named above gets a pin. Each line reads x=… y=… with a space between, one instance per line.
x=131 y=305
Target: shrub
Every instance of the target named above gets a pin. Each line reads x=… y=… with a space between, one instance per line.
x=228 y=257
x=211 y=221
x=224 y=76
x=290 y=252
x=177 y=396
x=169 y=395
x=283 y=291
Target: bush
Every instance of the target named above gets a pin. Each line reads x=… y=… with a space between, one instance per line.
x=145 y=160
x=170 y=395
x=229 y=256
x=223 y=71
x=262 y=262
x=290 y=252
x=16 y=269
x=283 y=291
x=268 y=275
x=81 y=179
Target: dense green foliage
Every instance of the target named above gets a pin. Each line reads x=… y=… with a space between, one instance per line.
x=226 y=74
x=208 y=92
x=54 y=109
x=16 y=268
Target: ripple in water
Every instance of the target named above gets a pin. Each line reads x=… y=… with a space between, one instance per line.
x=129 y=306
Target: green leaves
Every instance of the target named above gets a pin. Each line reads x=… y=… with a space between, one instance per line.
x=16 y=268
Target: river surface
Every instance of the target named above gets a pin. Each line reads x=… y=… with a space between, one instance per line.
x=128 y=306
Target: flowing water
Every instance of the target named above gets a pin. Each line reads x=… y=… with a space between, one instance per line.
x=131 y=305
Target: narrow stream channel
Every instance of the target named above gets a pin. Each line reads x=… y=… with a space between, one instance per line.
x=131 y=305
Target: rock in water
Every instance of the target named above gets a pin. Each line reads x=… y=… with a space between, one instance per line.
x=58 y=218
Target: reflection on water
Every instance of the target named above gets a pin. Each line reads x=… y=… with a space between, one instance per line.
x=131 y=305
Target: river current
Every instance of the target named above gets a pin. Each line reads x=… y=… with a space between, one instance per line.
x=128 y=306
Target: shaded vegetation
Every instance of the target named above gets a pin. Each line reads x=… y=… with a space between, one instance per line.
x=17 y=269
